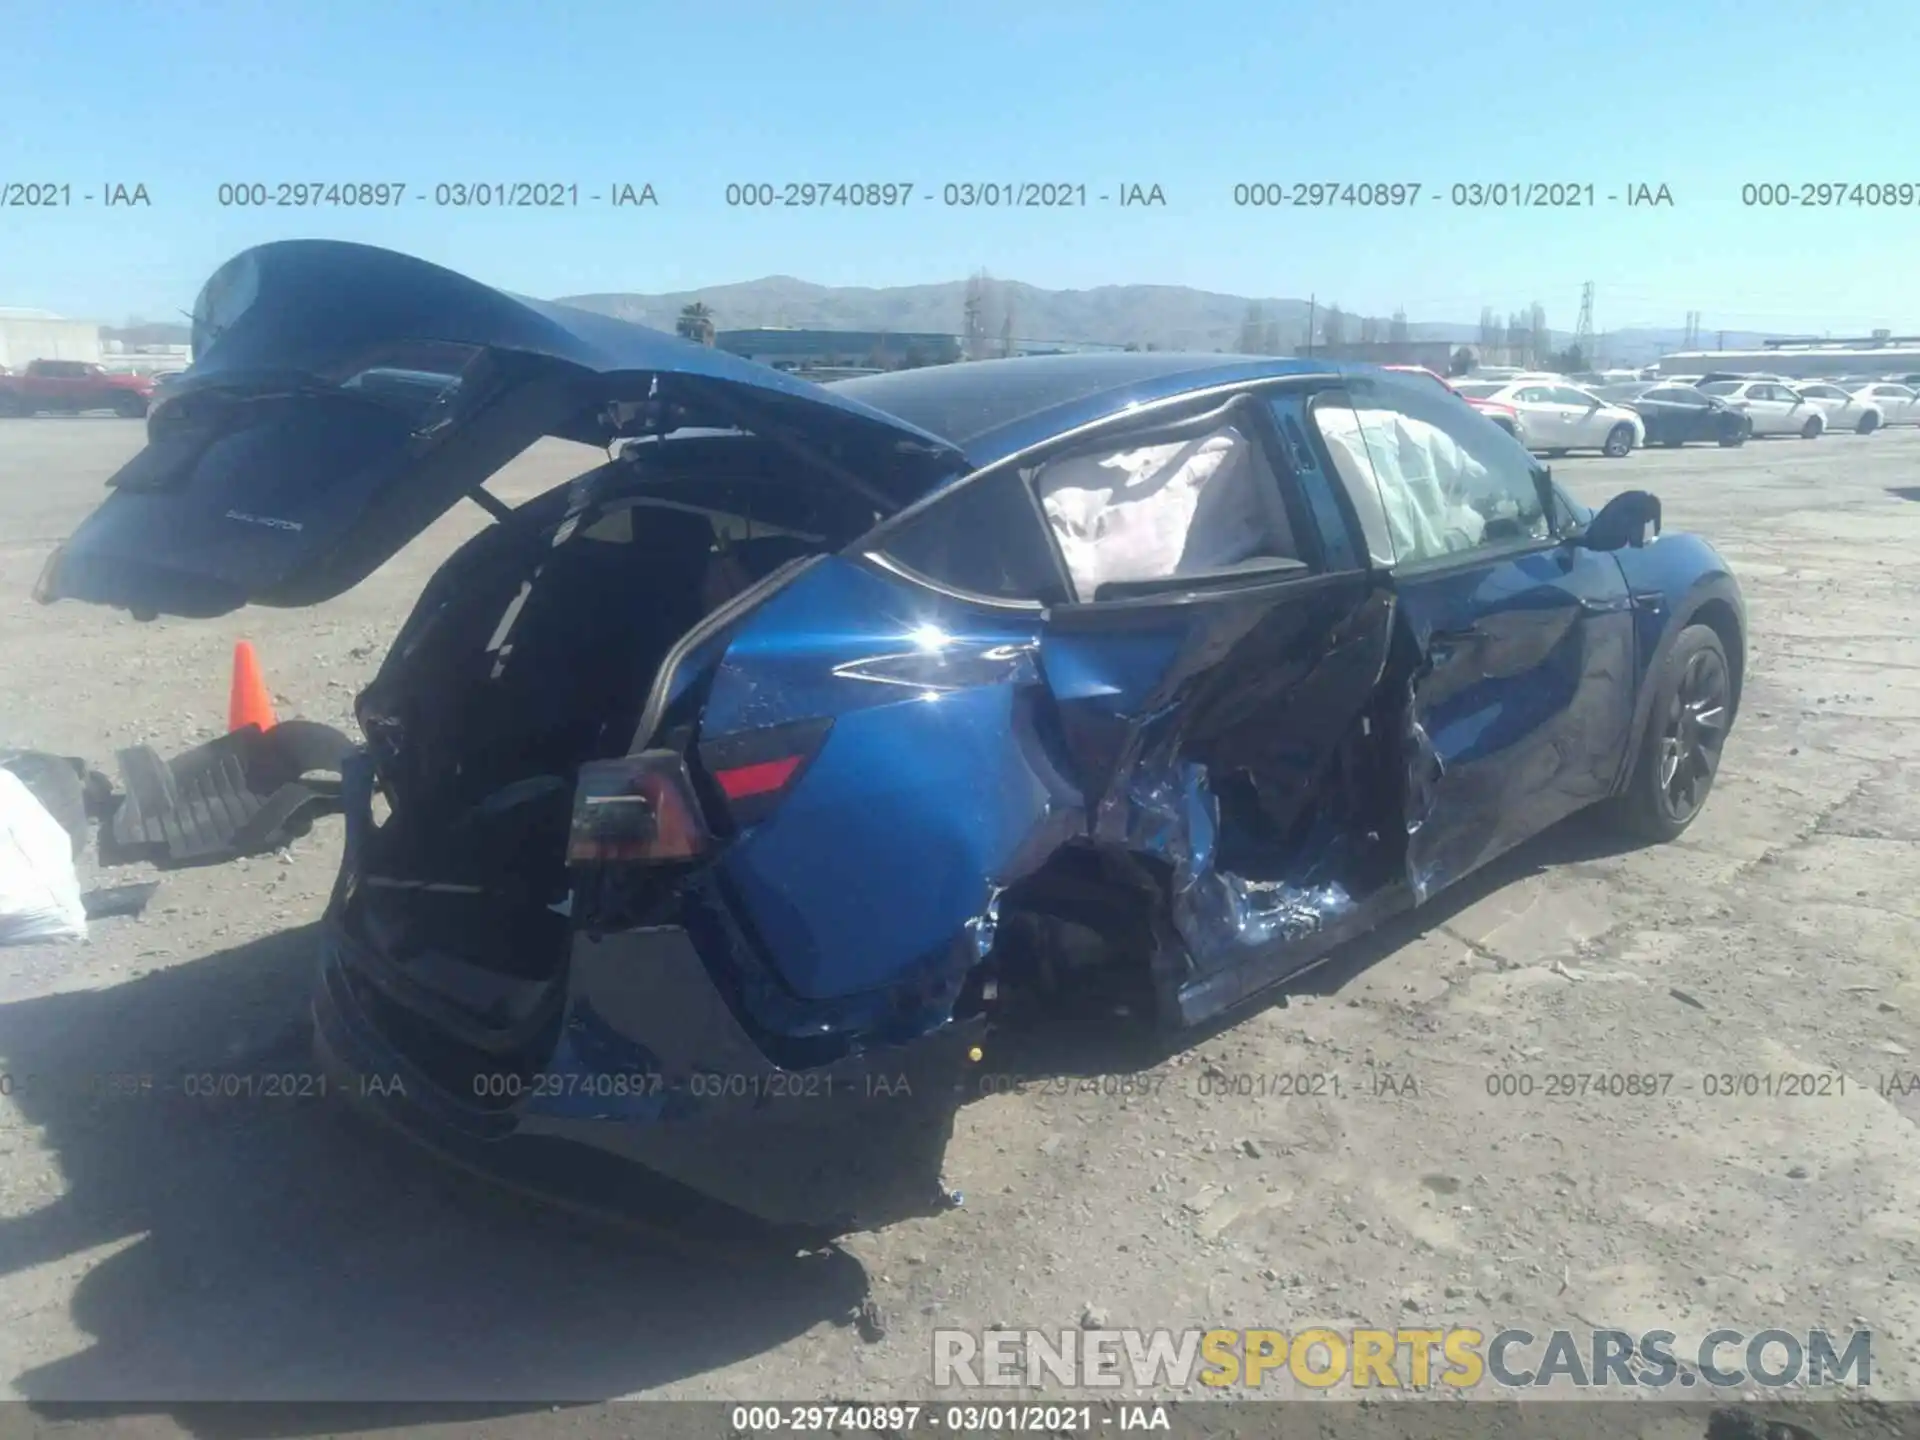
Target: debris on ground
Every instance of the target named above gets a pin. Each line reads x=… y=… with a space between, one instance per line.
x=249 y=792
x=39 y=888
x=113 y=901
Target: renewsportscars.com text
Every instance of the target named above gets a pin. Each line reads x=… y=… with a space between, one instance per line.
x=1400 y=1358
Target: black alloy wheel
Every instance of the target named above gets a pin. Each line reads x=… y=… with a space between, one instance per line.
x=1695 y=728
x=1687 y=725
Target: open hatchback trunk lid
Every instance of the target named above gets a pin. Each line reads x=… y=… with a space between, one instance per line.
x=343 y=397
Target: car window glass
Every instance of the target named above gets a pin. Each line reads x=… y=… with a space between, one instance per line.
x=1338 y=425
x=984 y=538
x=1674 y=395
x=1534 y=395
x=1719 y=387
x=1446 y=485
x=1317 y=487
x=1567 y=395
x=1155 y=511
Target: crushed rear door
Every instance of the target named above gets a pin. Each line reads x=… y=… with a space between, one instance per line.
x=343 y=397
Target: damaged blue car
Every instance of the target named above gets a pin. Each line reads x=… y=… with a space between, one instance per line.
x=715 y=805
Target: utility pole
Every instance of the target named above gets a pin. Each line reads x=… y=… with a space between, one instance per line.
x=1723 y=339
x=1312 y=304
x=1583 y=330
x=975 y=316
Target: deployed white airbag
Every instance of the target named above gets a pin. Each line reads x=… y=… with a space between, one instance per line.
x=39 y=889
x=1425 y=481
x=1160 y=510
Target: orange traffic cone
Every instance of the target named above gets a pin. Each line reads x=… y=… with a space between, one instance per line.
x=248 y=702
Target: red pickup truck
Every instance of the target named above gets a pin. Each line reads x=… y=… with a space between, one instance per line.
x=71 y=386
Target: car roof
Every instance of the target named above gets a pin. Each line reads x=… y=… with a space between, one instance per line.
x=991 y=409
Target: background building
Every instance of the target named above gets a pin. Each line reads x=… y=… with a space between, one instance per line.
x=1882 y=353
x=839 y=349
x=1434 y=354
x=28 y=335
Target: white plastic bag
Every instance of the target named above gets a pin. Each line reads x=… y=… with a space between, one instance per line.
x=39 y=889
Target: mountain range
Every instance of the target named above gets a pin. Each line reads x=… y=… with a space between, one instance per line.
x=1167 y=317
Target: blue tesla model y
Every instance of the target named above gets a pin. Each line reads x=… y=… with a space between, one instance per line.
x=732 y=792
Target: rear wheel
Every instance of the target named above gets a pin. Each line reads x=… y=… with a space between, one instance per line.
x=131 y=407
x=1868 y=424
x=1733 y=439
x=1687 y=725
x=1811 y=430
x=12 y=406
x=1619 y=441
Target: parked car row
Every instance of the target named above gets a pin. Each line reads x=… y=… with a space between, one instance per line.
x=72 y=387
x=1552 y=415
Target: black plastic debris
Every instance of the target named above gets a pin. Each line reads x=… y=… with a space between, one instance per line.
x=245 y=793
x=112 y=901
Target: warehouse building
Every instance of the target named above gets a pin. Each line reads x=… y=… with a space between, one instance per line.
x=827 y=349
x=1882 y=353
x=29 y=335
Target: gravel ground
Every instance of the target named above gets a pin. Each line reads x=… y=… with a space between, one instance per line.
x=169 y=1252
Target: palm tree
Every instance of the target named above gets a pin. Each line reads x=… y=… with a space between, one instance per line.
x=695 y=323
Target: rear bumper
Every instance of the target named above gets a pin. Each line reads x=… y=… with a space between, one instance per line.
x=653 y=1102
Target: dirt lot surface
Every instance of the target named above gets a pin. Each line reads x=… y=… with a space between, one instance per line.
x=169 y=1250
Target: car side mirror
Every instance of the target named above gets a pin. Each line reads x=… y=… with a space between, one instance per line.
x=1627 y=521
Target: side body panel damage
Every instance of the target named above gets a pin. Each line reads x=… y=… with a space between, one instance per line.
x=1231 y=740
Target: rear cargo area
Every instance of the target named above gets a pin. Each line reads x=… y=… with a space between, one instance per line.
x=532 y=653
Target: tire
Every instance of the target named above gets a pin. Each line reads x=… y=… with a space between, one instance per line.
x=1687 y=726
x=13 y=407
x=1868 y=424
x=1733 y=441
x=1811 y=430
x=130 y=407
x=1619 y=442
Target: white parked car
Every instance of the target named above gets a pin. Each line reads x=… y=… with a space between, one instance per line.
x=1844 y=409
x=1898 y=404
x=1556 y=417
x=1777 y=408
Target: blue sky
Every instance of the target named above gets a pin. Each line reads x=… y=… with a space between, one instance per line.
x=184 y=95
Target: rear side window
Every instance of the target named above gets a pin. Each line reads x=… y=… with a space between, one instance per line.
x=1165 y=507
x=985 y=539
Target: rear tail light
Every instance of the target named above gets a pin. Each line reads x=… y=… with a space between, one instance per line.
x=637 y=808
x=754 y=771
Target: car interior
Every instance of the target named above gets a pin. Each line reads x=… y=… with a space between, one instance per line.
x=533 y=652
